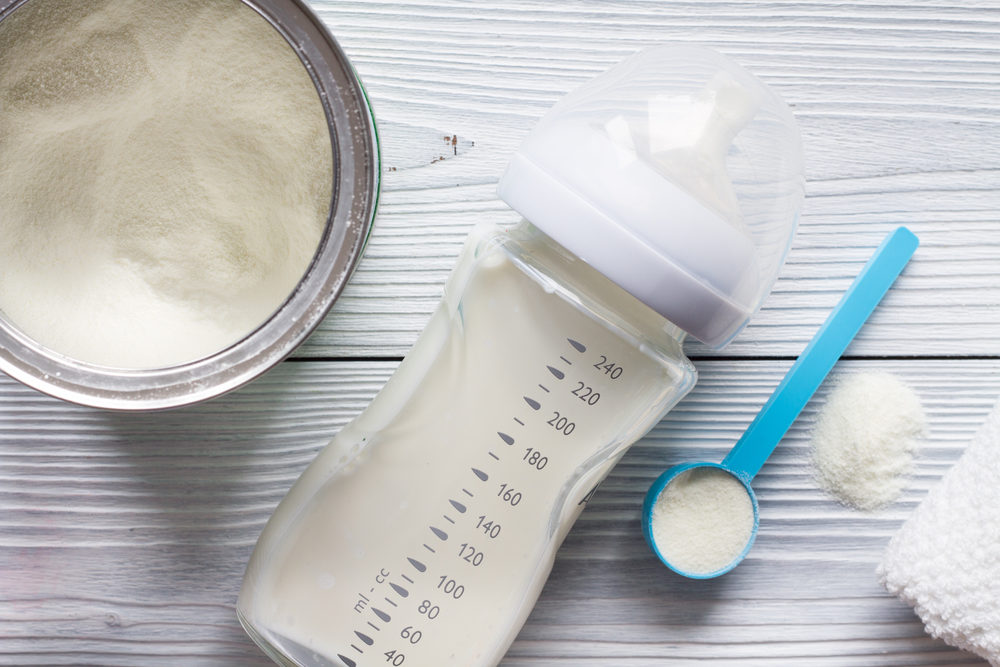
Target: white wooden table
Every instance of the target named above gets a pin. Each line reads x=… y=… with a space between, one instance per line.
x=123 y=537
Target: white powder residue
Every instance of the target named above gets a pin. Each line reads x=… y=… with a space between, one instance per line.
x=863 y=443
x=165 y=176
x=702 y=520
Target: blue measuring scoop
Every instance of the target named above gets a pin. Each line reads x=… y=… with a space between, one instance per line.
x=765 y=432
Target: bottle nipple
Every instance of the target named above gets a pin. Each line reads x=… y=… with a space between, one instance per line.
x=686 y=139
x=677 y=175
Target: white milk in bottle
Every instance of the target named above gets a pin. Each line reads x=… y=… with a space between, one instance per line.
x=423 y=533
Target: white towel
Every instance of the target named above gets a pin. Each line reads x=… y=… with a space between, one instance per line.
x=945 y=560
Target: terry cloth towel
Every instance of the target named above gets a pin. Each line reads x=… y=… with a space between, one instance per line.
x=945 y=560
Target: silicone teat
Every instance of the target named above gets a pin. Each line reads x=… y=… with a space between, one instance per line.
x=678 y=175
x=708 y=507
x=689 y=136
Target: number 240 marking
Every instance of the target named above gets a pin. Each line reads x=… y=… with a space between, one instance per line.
x=610 y=368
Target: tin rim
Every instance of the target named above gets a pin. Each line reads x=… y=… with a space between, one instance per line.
x=354 y=197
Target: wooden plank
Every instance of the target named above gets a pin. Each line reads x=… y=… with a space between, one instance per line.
x=123 y=537
x=899 y=108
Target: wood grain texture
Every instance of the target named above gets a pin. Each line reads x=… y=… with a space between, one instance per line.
x=123 y=537
x=899 y=108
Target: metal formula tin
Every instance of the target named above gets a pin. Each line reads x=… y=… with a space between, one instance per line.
x=353 y=201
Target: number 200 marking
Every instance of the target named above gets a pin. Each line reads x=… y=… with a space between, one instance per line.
x=561 y=424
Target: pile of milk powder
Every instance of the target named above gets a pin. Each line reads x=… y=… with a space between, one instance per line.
x=165 y=176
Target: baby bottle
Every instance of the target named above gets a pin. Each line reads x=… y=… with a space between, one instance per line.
x=659 y=200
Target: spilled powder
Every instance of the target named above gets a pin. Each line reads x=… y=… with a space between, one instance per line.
x=702 y=520
x=864 y=440
x=165 y=176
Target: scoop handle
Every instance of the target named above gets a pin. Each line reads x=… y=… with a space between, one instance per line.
x=823 y=351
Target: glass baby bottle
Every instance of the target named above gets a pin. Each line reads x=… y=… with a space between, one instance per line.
x=659 y=200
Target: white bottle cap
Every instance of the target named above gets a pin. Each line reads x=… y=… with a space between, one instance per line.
x=676 y=174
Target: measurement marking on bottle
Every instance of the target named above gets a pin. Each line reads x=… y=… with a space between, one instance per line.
x=566 y=360
x=381 y=614
x=347 y=661
x=468 y=493
x=429 y=549
x=400 y=590
x=417 y=564
x=407 y=578
x=390 y=602
x=374 y=626
x=545 y=389
x=579 y=347
x=448 y=518
x=519 y=422
x=365 y=638
x=535 y=405
x=357 y=649
x=441 y=535
x=506 y=438
x=457 y=505
x=480 y=474
x=494 y=456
